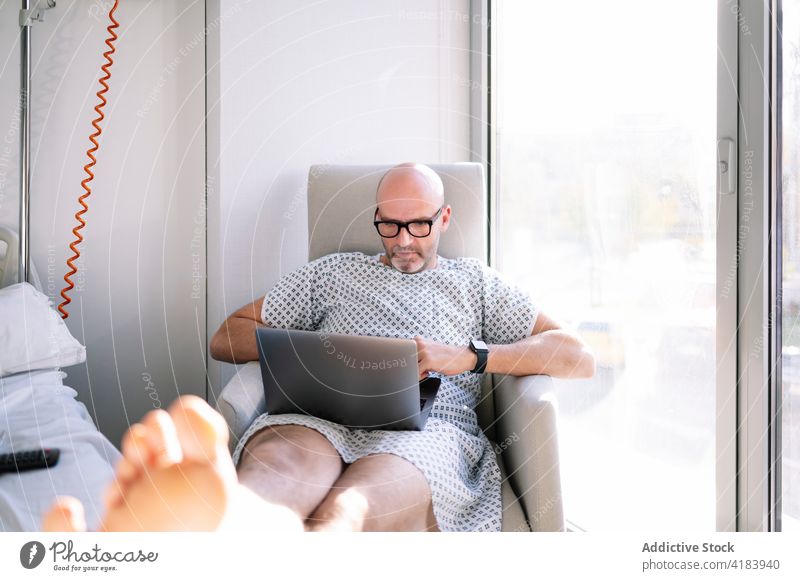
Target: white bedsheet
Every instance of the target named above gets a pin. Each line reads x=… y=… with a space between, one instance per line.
x=38 y=411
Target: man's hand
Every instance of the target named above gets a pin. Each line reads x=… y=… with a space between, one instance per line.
x=442 y=358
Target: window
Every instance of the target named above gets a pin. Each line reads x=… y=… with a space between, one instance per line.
x=790 y=289
x=604 y=169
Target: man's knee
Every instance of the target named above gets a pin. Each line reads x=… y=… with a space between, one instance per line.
x=341 y=510
x=290 y=465
x=377 y=492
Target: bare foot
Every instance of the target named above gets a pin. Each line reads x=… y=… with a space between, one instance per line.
x=176 y=475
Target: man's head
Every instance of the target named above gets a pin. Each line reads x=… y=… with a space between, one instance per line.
x=412 y=192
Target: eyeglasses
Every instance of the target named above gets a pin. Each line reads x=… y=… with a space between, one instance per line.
x=417 y=228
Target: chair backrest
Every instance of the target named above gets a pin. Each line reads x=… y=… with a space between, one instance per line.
x=341 y=204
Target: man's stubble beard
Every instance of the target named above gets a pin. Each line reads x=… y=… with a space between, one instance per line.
x=426 y=261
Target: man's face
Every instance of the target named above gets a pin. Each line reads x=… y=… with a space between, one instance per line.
x=405 y=252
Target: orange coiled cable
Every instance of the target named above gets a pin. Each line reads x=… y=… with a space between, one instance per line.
x=90 y=153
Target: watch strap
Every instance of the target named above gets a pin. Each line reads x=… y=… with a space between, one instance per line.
x=483 y=358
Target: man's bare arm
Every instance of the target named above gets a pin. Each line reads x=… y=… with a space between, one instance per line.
x=550 y=350
x=235 y=340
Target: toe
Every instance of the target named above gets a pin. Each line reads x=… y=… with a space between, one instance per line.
x=125 y=471
x=164 y=448
x=66 y=515
x=135 y=447
x=114 y=494
x=201 y=430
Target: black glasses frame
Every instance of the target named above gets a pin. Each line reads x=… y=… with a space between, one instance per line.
x=401 y=225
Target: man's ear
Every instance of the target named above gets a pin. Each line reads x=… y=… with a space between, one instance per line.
x=446 y=218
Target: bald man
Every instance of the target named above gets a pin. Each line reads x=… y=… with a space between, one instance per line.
x=292 y=472
x=444 y=477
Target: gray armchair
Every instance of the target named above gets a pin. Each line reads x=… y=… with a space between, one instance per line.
x=517 y=414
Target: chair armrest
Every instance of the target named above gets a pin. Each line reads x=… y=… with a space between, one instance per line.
x=526 y=412
x=242 y=400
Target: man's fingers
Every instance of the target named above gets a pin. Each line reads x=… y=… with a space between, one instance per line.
x=423 y=371
x=423 y=362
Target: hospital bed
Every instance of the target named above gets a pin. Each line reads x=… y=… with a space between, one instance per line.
x=38 y=411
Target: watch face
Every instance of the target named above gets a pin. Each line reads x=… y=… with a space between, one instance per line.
x=479 y=345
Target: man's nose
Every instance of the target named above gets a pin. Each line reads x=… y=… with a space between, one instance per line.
x=403 y=238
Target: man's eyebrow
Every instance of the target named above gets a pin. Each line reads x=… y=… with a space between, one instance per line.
x=384 y=218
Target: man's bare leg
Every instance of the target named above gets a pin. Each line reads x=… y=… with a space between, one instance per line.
x=290 y=465
x=380 y=492
x=176 y=474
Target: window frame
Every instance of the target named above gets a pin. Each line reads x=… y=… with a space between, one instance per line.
x=748 y=312
x=758 y=420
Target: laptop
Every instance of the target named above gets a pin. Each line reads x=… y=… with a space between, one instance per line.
x=357 y=381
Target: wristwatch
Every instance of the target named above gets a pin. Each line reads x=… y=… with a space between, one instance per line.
x=482 y=351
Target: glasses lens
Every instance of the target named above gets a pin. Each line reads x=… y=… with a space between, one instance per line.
x=388 y=230
x=419 y=229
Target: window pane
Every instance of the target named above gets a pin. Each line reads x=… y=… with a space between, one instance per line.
x=790 y=425
x=606 y=145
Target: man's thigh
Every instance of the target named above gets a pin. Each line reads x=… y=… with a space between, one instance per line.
x=379 y=492
x=290 y=464
x=295 y=442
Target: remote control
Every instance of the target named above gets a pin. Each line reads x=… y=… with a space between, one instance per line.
x=29 y=460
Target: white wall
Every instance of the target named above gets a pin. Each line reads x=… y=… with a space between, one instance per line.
x=289 y=84
x=140 y=302
x=293 y=84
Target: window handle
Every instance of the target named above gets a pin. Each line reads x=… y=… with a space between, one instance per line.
x=726 y=166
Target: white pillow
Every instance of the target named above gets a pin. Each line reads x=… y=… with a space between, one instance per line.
x=32 y=333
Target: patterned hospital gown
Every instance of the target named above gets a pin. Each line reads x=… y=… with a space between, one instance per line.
x=460 y=299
